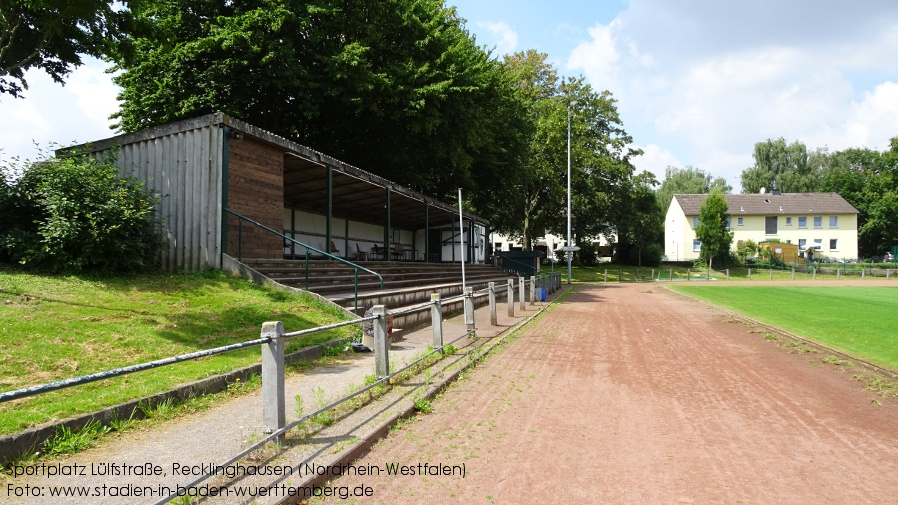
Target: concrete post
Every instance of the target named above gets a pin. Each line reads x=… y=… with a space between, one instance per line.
x=838 y=273
x=469 y=308
x=274 y=412
x=521 y=296
x=793 y=273
x=510 y=297
x=749 y=274
x=494 y=318
x=728 y=274
x=606 y=277
x=381 y=342
x=771 y=274
x=688 y=274
x=815 y=274
x=532 y=290
x=436 y=321
x=670 y=275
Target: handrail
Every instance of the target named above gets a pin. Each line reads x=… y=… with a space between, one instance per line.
x=242 y=218
x=515 y=266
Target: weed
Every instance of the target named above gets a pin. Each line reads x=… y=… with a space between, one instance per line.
x=165 y=409
x=298 y=408
x=67 y=441
x=449 y=349
x=770 y=336
x=119 y=424
x=333 y=351
x=327 y=417
x=833 y=360
x=423 y=405
x=370 y=379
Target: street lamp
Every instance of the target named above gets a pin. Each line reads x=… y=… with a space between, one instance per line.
x=569 y=250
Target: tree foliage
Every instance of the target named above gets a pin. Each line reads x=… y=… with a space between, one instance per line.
x=868 y=180
x=396 y=87
x=75 y=214
x=782 y=167
x=712 y=231
x=688 y=181
x=53 y=35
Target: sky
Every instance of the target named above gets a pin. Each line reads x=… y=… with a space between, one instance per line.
x=698 y=82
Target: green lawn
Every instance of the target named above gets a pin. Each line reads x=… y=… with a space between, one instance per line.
x=57 y=327
x=859 y=321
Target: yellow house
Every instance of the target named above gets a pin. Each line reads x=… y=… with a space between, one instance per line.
x=822 y=221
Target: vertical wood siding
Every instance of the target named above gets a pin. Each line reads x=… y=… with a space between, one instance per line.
x=185 y=168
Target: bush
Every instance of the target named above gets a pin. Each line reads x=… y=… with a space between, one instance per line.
x=75 y=214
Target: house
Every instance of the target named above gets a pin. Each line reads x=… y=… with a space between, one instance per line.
x=215 y=173
x=822 y=221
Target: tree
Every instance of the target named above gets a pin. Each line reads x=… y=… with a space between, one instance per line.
x=868 y=180
x=687 y=181
x=52 y=35
x=643 y=225
x=712 y=230
x=541 y=178
x=781 y=167
x=75 y=214
x=398 y=88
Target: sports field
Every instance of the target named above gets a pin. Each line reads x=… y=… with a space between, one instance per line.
x=859 y=321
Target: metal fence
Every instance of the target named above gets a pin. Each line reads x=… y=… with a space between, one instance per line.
x=272 y=341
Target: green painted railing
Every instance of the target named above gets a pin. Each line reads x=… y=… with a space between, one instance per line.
x=309 y=250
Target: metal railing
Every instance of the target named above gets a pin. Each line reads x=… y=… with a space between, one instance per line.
x=513 y=266
x=273 y=359
x=309 y=250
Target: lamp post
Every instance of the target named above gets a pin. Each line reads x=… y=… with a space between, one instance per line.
x=569 y=253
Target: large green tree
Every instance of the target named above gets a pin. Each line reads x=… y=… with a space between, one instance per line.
x=53 y=35
x=869 y=181
x=778 y=166
x=397 y=87
x=712 y=231
x=540 y=180
x=687 y=181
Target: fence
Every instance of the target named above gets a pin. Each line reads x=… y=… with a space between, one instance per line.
x=272 y=341
x=309 y=249
x=779 y=273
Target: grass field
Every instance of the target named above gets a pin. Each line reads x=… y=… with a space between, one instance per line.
x=57 y=327
x=859 y=321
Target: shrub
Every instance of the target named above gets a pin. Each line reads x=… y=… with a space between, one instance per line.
x=76 y=214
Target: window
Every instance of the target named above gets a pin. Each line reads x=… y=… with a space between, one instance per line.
x=695 y=222
x=803 y=222
x=696 y=245
x=770 y=225
x=788 y=221
x=739 y=221
x=729 y=223
x=802 y=244
x=818 y=221
x=833 y=244
x=833 y=221
x=818 y=244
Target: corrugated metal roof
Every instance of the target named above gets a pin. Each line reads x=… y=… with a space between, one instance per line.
x=769 y=204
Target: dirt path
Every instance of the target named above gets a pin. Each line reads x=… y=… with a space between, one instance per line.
x=603 y=401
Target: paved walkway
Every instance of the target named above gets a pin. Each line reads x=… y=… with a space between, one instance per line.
x=143 y=465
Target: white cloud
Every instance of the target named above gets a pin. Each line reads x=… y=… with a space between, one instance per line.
x=598 y=56
x=54 y=114
x=701 y=83
x=508 y=38
x=870 y=122
x=655 y=159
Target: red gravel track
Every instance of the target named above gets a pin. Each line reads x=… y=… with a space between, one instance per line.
x=633 y=394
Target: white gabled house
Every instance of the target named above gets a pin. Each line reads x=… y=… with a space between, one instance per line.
x=824 y=221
